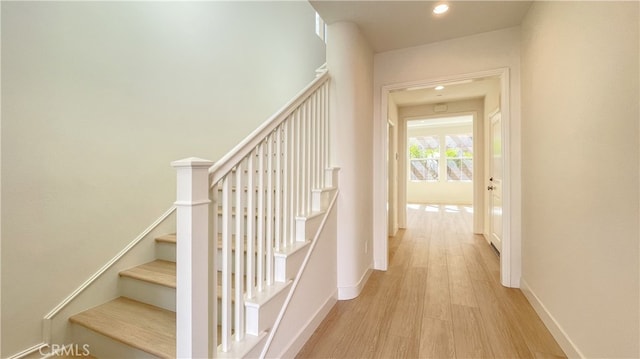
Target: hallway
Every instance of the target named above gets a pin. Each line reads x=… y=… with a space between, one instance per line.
x=440 y=298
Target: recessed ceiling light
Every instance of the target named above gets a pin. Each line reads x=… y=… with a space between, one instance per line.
x=440 y=9
x=439 y=87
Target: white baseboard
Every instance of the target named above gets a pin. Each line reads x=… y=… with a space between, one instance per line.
x=346 y=293
x=307 y=330
x=568 y=346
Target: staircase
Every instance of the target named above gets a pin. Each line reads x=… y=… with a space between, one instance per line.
x=245 y=228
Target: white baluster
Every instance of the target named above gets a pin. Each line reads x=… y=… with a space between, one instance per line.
x=260 y=226
x=286 y=191
x=278 y=191
x=317 y=140
x=299 y=161
x=226 y=263
x=214 y=227
x=327 y=133
x=269 y=218
x=307 y=190
x=304 y=163
x=322 y=134
x=312 y=133
x=250 y=225
x=294 y=175
x=314 y=143
x=239 y=256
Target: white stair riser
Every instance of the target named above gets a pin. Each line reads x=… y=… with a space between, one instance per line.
x=320 y=199
x=150 y=293
x=154 y=294
x=166 y=251
x=260 y=318
x=287 y=265
x=306 y=227
x=331 y=177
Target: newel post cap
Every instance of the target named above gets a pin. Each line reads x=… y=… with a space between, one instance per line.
x=191 y=162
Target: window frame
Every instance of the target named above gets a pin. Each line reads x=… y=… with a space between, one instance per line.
x=458 y=158
x=443 y=176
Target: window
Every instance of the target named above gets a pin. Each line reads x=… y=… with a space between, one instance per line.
x=459 y=150
x=321 y=28
x=457 y=158
x=424 y=153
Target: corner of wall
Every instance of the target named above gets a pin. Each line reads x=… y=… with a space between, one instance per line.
x=569 y=348
x=350 y=292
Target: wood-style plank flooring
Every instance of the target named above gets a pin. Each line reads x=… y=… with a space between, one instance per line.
x=440 y=298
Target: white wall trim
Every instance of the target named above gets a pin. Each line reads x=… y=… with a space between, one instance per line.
x=508 y=262
x=567 y=345
x=29 y=351
x=350 y=292
x=300 y=339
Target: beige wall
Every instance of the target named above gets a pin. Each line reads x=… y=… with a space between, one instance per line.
x=97 y=99
x=350 y=61
x=580 y=150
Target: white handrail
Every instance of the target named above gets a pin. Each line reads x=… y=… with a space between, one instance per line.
x=240 y=151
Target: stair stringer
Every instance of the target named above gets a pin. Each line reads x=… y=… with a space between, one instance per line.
x=104 y=284
x=313 y=293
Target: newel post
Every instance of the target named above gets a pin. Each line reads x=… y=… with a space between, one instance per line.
x=192 y=258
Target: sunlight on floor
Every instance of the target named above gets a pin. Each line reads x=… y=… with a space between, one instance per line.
x=434 y=208
x=452 y=208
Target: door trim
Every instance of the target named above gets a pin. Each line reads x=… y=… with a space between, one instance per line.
x=509 y=260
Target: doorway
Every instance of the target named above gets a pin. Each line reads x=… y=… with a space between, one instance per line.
x=509 y=259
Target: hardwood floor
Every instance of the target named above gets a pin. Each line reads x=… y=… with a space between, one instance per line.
x=440 y=298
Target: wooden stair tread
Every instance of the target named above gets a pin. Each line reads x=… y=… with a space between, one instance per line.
x=167 y=238
x=159 y=272
x=164 y=273
x=142 y=326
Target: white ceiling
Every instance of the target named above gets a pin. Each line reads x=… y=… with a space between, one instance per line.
x=393 y=24
x=451 y=92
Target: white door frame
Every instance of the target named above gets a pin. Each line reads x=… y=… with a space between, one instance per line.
x=508 y=262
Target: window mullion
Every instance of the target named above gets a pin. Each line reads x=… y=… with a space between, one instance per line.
x=442 y=165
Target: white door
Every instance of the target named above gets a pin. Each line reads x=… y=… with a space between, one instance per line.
x=495 y=181
x=392 y=180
